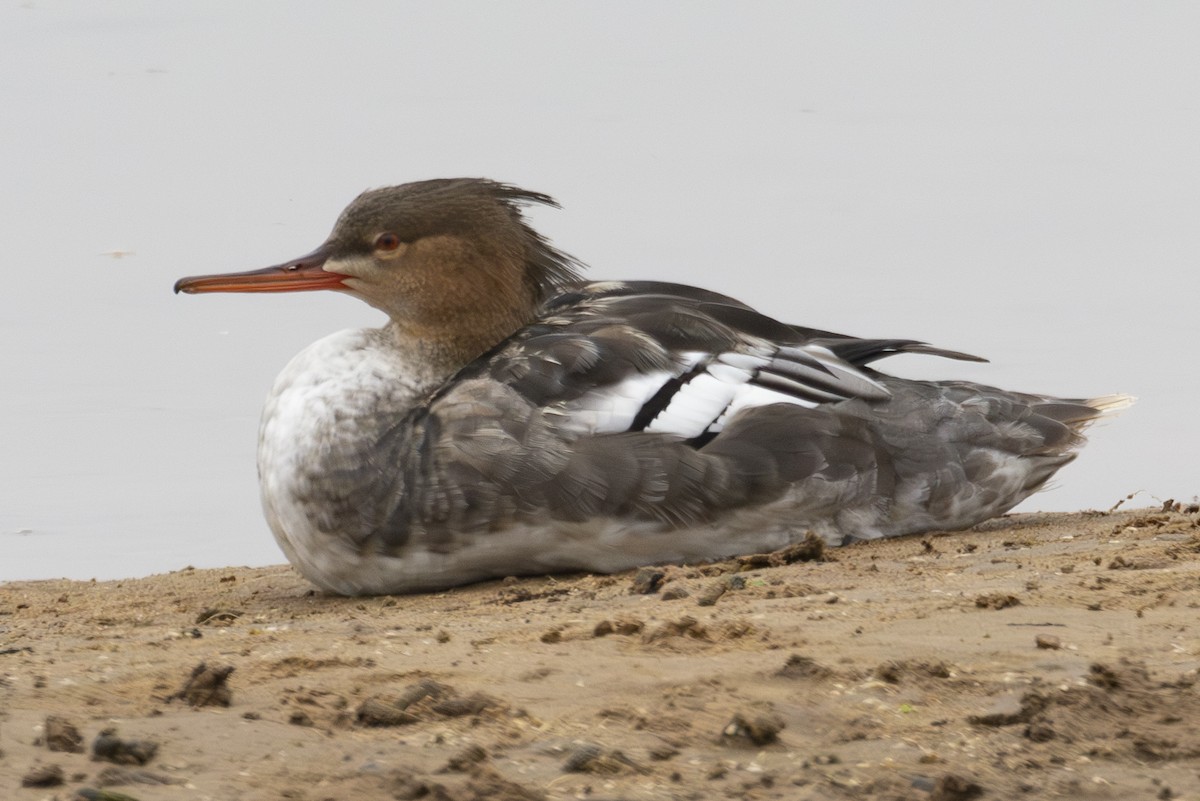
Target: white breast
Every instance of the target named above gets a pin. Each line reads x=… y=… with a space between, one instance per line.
x=332 y=397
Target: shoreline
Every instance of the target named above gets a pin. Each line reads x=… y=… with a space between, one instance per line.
x=1042 y=653
x=1120 y=505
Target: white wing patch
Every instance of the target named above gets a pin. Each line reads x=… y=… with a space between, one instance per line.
x=706 y=396
x=708 y=401
x=695 y=405
x=611 y=408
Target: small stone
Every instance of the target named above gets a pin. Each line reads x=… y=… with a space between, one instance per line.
x=675 y=592
x=686 y=626
x=425 y=688
x=465 y=759
x=381 y=711
x=89 y=794
x=710 y=596
x=110 y=748
x=61 y=735
x=300 y=718
x=43 y=776
x=952 y=787
x=802 y=667
x=581 y=756
x=1040 y=732
x=997 y=600
x=591 y=758
x=757 y=729
x=1048 y=642
x=467 y=705
x=624 y=627
x=646 y=581
x=206 y=686
x=391 y=710
x=661 y=753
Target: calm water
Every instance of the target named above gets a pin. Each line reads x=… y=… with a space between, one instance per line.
x=1020 y=181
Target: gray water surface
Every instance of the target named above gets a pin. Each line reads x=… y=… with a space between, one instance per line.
x=1017 y=180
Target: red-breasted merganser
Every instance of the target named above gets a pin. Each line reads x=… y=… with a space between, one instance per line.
x=510 y=419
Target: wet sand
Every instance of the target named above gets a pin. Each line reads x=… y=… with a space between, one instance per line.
x=1037 y=656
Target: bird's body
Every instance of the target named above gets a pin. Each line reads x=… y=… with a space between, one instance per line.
x=511 y=420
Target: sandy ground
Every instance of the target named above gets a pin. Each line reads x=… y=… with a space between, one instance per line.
x=1038 y=656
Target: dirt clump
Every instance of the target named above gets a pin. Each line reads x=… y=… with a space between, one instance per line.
x=207 y=686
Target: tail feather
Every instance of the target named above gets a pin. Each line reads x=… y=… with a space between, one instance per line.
x=1078 y=414
x=1110 y=404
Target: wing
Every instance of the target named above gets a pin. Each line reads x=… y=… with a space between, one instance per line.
x=656 y=372
x=675 y=360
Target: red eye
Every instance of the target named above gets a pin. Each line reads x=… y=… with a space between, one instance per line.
x=387 y=242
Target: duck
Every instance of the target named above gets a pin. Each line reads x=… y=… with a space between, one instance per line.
x=512 y=419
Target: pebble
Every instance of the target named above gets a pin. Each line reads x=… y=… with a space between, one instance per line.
x=952 y=787
x=592 y=758
x=646 y=581
x=62 y=735
x=109 y=747
x=89 y=794
x=465 y=759
x=207 y=686
x=760 y=728
x=43 y=776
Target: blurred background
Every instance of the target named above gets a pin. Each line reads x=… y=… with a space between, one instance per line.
x=1016 y=180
